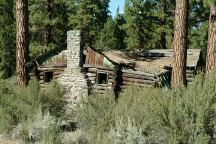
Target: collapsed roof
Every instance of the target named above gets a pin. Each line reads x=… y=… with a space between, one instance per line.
x=151 y=61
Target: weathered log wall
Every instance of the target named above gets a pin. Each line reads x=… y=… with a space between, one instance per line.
x=39 y=73
x=137 y=78
x=190 y=75
x=91 y=74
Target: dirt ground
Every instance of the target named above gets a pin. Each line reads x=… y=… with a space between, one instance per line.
x=8 y=141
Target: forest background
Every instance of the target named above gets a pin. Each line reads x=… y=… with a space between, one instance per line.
x=142 y=25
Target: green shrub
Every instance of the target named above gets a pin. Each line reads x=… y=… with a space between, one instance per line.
x=101 y=113
x=40 y=128
x=139 y=115
x=53 y=100
x=19 y=105
x=77 y=137
x=126 y=133
x=96 y=111
x=187 y=115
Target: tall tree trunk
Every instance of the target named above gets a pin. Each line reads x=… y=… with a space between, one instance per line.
x=211 y=52
x=180 y=44
x=47 y=29
x=22 y=42
x=163 y=23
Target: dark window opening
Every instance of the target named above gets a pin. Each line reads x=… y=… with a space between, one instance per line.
x=48 y=76
x=102 y=78
x=84 y=59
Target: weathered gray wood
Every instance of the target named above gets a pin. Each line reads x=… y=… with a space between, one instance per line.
x=101 y=87
x=190 y=79
x=111 y=81
x=138 y=73
x=190 y=71
x=135 y=76
x=189 y=75
x=41 y=77
x=50 y=69
x=98 y=67
x=135 y=84
x=57 y=72
x=94 y=70
x=91 y=74
x=138 y=81
x=92 y=78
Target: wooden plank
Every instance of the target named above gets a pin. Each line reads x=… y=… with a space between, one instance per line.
x=190 y=71
x=111 y=81
x=100 y=87
x=138 y=73
x=95 y=70
x=139 y=81
x=56 y=77
x=190 y=75
x=190 y=79
x=126 y=86
x=135 y=76
x=92 y=78
x=58 y=72
x=50 y=69
x=91 y=74
x=98 y=67
x=111 y=75
x=64 y=65
x=92 y=70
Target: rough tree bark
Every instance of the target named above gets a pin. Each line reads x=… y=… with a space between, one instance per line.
x=211 y=52
x=179 y=44
x=22 y=42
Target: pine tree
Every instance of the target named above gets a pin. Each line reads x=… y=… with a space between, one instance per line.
x=120 y=32
x=211 y=53
x=89 y=17
x=180 y=43
x=198 y=21
x=48 y=24
x=138 y=27
x=107 y=39
x=7 y=38
x=164 y=23
x=22 y=42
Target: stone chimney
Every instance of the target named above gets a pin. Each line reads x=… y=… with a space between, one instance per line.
x=74 y=48
x=72 y=77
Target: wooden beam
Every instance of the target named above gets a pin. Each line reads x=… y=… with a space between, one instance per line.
x=138 y=73
x=135 y=76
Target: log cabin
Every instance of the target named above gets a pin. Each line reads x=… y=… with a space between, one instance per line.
x=109 y=70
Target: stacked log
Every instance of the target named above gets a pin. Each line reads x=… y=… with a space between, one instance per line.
x=91 y=73
x=141 y=79
x=57 y=71
x=190 y=75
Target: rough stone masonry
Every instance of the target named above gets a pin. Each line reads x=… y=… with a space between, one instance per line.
x=72 y=77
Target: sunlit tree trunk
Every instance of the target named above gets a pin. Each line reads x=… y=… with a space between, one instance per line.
x=179 y=44
x=22 y=42
x=211 y=52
